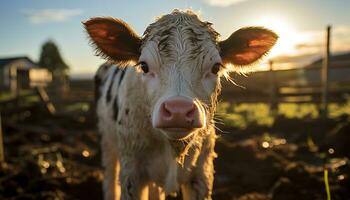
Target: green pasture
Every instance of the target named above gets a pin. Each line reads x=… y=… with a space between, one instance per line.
x=243 y=114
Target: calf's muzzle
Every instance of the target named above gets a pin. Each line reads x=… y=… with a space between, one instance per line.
x=178 y=113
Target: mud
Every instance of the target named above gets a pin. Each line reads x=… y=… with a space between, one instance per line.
x=59 y=158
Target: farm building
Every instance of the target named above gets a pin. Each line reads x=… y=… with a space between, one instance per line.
x=23 y=73
x=339 y=69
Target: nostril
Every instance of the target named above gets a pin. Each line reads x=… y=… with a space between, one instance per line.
x=190 y=114
x=165 y=112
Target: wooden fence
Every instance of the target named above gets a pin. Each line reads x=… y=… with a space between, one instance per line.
x=318 y=86
x=297 y=85
x=49 y=98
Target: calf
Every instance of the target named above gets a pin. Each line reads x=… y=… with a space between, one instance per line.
x=156 y=104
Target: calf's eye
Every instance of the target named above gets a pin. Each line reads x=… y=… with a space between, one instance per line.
x=144 y=67
x=216 y=68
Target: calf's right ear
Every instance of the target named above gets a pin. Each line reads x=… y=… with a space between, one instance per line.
x=113 y=39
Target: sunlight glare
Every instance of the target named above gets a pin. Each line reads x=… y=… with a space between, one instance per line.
x=288 y=36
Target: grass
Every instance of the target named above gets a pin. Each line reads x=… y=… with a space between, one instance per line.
x=244 y=114
x=311 y=144
x=7 y=95
x=326 y=183
x=241 y=115
x=299 y=111
x=337 y=110
x=77 y=106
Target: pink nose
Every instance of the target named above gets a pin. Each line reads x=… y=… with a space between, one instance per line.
x=179 y=113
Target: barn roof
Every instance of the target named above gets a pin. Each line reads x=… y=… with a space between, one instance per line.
x=339 y=57
x=6 y=61
x=339 y=60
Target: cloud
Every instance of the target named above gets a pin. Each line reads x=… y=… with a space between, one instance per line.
x=340 y=40
x=51 y=15
x=312 y=46
x=342 y=30
x=223 y=3
x=302 y=46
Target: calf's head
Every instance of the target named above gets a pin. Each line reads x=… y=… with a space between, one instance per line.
x=180 y=60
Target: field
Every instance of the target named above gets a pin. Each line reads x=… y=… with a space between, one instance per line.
x=262 y=155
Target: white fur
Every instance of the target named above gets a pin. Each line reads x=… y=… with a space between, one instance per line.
x=141 y=161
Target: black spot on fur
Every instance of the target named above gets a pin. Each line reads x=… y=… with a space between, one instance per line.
x=121 y=77
x=193 y=181
x=109 y=91
x=129 y=188
x=115 y=103
x=98 y=82
x=126 y=111
x=115 y=108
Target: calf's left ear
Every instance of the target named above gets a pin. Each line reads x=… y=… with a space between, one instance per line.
x=247 y=45
x=114 y=39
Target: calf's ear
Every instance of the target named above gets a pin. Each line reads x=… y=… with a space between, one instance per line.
x=113 y=39
x=247 y=45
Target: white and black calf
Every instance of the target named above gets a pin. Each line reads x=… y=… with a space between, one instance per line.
x=157 y=116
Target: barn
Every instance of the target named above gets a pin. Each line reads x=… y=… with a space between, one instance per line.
x=22 y=73
x=339 y=69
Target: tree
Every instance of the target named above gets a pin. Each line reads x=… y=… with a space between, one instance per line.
x=51 y=59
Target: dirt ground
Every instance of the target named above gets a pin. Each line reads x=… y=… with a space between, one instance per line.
x=59 y=158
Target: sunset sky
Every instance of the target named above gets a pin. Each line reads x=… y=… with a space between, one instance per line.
x=301 y=24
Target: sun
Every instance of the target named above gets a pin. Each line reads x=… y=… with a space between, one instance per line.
x=288 y=36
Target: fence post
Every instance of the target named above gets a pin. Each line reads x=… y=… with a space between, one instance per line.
x=44 y=97
x=324 y=75
x=13 y=80
x=2 y=155
x=273 y=95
